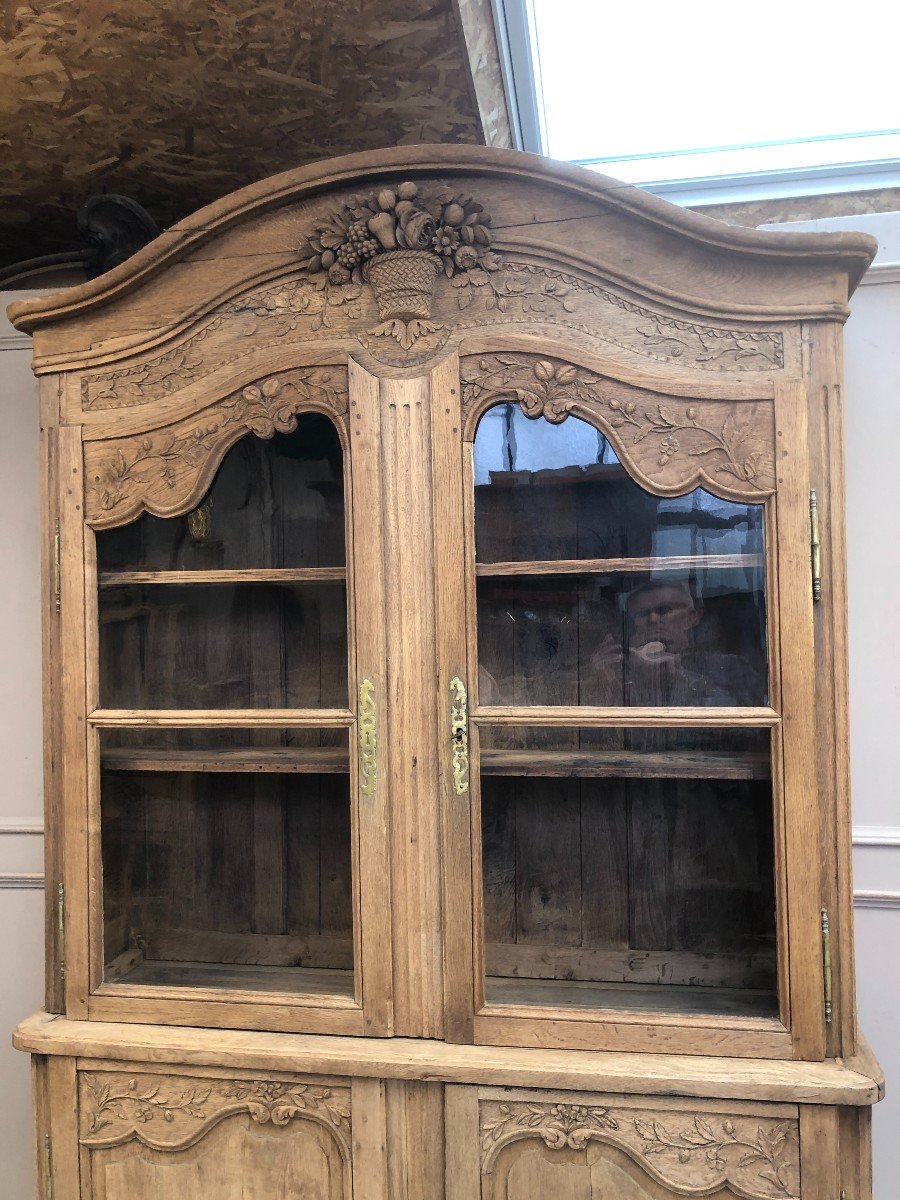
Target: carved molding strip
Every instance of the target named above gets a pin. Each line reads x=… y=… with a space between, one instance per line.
x=669 y=444
x=486 y=289
x=167 y=471
x=260 y=318
x=537 y=288
x=173 y=1112
x=692 y=1154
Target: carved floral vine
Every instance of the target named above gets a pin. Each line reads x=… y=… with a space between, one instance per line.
x=770 y=1150
x=144 y=1104
x=266 y=317
x=551 y=389
x=262 y=409
x=662 y=337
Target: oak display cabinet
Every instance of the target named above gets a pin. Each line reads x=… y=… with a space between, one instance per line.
x=445 y=696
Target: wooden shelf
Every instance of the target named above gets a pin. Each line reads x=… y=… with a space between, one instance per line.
x=629 y=997
x=627 y=764
x=572 y=764
x=221 y=718
x=275 y=760
x=295 y=981
x=587 y=716
x=616 y=566
x=557 y=476
x=261 y=575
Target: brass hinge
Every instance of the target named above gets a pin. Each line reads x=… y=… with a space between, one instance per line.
x=61 y=926
x=826 y=963
x=814 y=550
x=48 y=1167
x=57 y=570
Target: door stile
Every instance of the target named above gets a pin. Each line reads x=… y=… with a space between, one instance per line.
x=92 y=758
x=476 y=990
x=60 y=1158
x=450 y=533
x=73 y=919
x=795 y=622
x=779 y=799
x=367 y=602
x=411 y=761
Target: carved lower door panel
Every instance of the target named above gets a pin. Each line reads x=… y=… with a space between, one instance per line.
x=565 y=1146
x=148 y=1135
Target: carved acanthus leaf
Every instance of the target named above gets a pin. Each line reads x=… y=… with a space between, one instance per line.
x=172 y=1112
x=163 y=471
x=690 y=1153
x=670 y=441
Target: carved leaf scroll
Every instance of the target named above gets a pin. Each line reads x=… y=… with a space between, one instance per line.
x=667 y=442
x=166 y=471
x=173 y=1112
x=689 y=1153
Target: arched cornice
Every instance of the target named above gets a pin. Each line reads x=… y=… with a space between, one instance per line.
x=700 y=250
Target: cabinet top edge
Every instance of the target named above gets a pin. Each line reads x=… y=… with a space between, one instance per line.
x=848 y=254
x=857 y=1081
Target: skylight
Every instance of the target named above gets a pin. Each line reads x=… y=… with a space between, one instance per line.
x=666 y=95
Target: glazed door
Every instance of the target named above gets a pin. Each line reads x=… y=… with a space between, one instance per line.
x=237 y=688
x=633 y=793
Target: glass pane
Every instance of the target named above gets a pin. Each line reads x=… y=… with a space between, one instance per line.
x=227 y=860
x=592 y=591
x=629 y=869
x=273 y=503
x=249 y=645
x=241 y=603
x=661 y=638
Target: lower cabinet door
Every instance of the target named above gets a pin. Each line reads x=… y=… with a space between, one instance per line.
x=147 y=1135
x=522 y=1145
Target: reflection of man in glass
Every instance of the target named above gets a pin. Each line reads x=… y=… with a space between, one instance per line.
x=665 y=662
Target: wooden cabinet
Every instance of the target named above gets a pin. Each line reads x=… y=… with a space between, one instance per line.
x=444 y=648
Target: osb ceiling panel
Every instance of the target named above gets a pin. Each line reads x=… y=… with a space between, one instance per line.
x=177 y=102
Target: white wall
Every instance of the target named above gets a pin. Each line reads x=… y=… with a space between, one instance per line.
x=872 y=389
x=873 y=514
x=873 y=510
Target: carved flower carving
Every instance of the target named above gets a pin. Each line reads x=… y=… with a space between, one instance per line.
x=561 y=1126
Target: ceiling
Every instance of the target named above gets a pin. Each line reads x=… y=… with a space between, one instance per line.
x=174 y=103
